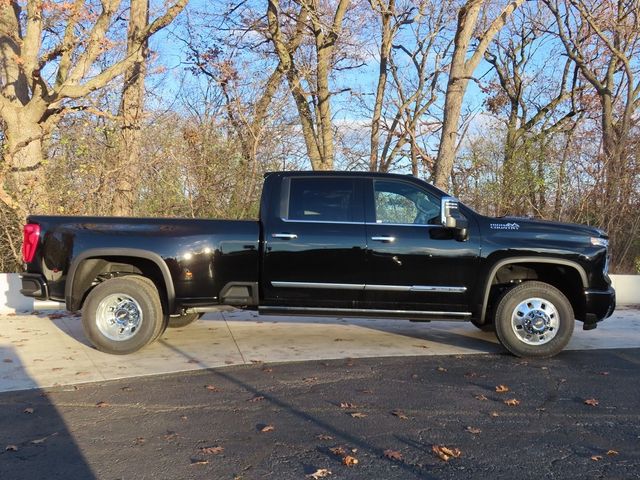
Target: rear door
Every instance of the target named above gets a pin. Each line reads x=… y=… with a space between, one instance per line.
x=314 y=251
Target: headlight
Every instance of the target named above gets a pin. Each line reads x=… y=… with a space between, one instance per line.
x=599 y=242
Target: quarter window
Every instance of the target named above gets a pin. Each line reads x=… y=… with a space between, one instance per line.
x=323 y=199
x=404 y=203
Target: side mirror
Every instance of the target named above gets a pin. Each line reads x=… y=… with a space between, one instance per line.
x=450 y=217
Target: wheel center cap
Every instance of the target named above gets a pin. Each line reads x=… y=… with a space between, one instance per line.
x=122 y=317
x=537 y=322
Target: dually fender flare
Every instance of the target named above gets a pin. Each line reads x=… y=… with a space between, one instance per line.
x=121 y=252
x=511 y=260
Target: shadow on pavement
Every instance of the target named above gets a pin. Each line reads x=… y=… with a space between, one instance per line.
x=34 y=433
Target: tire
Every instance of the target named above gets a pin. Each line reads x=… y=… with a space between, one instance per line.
x=534 y=319
x=180 y=321
x=165 y=318
x=137 y=304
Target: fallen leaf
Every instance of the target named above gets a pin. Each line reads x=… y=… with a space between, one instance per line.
x=199 y=462
x=139 y=441
x=320 y=473
x=126 y=389
x=393 y=455
x=365 y=391
x=494 y=414
x=349 y=461
x=338 y=451
x=358 y=414
x=347 y=405
x=591 y=401
x=596 y=458
x=512 y=402
x=11 y=448
x=102 y=404
x=257 y=398
x=502 y=389
x=170 y=435
x=41 y=440
x=28 y=410
x=267 y=370
x=184 y=418
x=267 y=428
x=612 y=453
x=310 y=379
x=322 y=436
x=441 y=369
x=446 y=453
x=212 y=450
x=400 y=414
x=212 y=388
x=473 y=430
x=480 y=397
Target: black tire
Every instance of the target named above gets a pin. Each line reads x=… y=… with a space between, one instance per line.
x=165 y=318
x=548 y=304
x=141 y=297
x=180 y=321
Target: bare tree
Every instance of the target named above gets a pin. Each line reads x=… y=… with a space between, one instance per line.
x=51 y=57
x=460 y=73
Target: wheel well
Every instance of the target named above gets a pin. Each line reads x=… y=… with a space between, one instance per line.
x=91 y=271
x=565 y=278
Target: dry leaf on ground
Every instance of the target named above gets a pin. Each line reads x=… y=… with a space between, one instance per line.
x=320 y=473
x=494 y=414
x=358 y=414
x=441 y=369
x=393 y=455
x=347 y=405
x=480 y=397
x=349 y=461
x=596 y=458
x=445 y=453
x=139 y=441
x=28 y=410
x=267 y=428
x=512 y=402
x=199 y=462
x=400 y=414
x=502 y=388
x=322 y=436
x=102 y=404
x=591 y=401
x=212 y=450
x=212 y=388
x=11 y=448
x=338 y=451
x=473 y=430
x=257 y=398
x=612 y=453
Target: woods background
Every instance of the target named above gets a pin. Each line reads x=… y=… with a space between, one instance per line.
x=177 y=108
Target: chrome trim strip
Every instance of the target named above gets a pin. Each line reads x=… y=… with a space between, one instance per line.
x=368 y=310
x=374 y=288
x=320 y=221
x=416 y=288
x=337 y=286
x=381 y=224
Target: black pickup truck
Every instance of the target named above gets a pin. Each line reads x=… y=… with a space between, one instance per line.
x=331 y=244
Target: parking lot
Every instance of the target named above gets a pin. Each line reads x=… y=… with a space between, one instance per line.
x=240 y=396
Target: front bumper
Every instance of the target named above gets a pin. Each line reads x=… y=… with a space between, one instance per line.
x=34 y=285
x=599 y=304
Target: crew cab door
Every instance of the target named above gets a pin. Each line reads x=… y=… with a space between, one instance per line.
x=314 y=243
x=414 y=262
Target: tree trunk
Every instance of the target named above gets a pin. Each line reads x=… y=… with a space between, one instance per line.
x=449 y=137
x=24 y=160
x=131 y=112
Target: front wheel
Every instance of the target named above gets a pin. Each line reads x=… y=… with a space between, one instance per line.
x=121 y=315
x=534 y=319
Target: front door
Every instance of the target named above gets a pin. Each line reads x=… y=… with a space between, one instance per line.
x=314 y=252
x=414 y=262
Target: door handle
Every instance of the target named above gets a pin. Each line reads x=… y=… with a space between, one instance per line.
x=285 y=236
x=383 y=239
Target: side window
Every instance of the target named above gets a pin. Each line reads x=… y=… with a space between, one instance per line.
x=402 y=202
x=323 y=199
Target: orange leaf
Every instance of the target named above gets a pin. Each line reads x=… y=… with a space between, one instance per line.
x=212 y=450
x=591 y=401
x=338 y=451
x=512 y=402
x=267 y=428
x=612 y=453
x=445 y=453
x=502 y=389
x=350 y=461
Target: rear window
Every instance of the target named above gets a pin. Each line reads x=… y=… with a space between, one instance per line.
x=323 y=199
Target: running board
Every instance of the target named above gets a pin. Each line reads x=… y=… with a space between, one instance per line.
x=364 y=312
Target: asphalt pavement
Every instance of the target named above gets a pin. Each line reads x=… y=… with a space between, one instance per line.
x=450 y=416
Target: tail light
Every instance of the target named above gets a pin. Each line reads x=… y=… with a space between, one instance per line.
x=31 y=234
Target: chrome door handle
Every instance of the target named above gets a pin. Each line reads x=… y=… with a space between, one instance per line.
x=383 y=239
x=285 y=236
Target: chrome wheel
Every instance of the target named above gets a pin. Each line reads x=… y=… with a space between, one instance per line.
x=118 y=317
x=535 y=321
